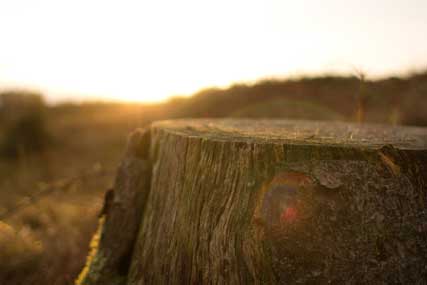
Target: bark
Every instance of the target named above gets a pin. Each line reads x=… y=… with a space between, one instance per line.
x=275 y=202
x=109 y=261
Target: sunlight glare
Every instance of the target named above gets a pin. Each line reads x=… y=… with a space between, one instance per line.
x=151 y=50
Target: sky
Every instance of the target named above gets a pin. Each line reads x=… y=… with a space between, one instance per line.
x=151 y=50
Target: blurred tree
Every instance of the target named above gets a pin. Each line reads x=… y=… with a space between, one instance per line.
x=22 y=114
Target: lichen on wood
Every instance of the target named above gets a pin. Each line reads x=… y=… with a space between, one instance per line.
x=91 y=263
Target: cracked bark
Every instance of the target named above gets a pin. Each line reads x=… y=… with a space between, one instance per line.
x=122 y=211
x=275 y=202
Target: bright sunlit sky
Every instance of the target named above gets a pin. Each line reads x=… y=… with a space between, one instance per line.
x=151 y=50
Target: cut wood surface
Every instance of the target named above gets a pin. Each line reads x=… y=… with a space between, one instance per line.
x=266 y=202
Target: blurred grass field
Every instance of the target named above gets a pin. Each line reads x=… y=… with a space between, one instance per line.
x=58 y=191
x=56 y=164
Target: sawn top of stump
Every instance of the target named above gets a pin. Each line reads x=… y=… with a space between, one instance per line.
x=299 y=132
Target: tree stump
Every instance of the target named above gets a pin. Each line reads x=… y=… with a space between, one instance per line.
x=266 y=201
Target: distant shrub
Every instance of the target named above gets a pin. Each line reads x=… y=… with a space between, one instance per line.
x=291 y=109
x=24 y=124
x=27 y=135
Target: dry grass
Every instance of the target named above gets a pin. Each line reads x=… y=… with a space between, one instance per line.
x=58 y=193
x=47 y=242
